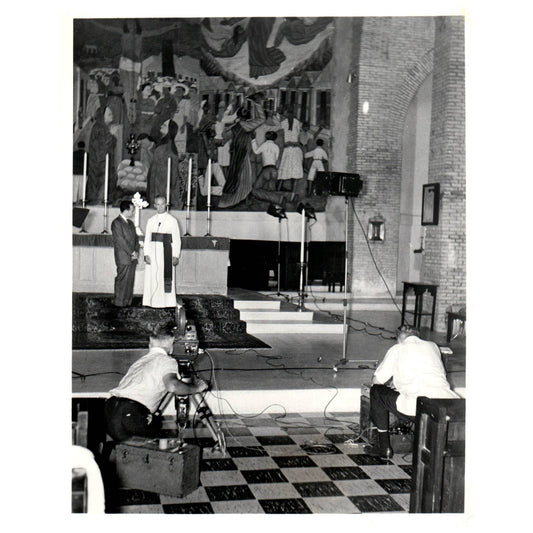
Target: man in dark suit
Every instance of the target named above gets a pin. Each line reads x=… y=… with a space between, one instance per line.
x=126 y=245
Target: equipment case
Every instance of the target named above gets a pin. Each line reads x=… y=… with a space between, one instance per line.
x=140 y=464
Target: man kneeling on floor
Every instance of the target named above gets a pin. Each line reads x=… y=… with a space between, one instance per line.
x=414 y=367
x=131 y=408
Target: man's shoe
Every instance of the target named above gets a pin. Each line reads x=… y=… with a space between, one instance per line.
x=374 y=451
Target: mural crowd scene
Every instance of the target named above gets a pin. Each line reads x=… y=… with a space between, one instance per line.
x=247 y=98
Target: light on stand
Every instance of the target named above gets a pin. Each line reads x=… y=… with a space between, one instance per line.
x=307 y=211
x=276 y=211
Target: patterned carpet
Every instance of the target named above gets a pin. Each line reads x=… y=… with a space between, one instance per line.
x=294 y=464
x=98 y=324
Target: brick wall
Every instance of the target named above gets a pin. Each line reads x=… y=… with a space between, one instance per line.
x=395 y=56
x=445 y=255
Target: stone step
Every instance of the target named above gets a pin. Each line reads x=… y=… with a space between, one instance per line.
x=243 y=305
x=256 y=327
x=276 y=316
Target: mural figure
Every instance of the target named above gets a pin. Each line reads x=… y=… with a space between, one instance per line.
x=164 y=110
x=147 y=145
x=145 y=109
x=181 y=115
x=101 y=142
x=291 y=165
x=241 y=173
x=218 y=179
x=130 y=63
x=225 y=117
x=265 y=186
x=157 y=176
x=318 y=156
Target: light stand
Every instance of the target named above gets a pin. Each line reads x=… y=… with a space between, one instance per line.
x=278 y=212
x=344 y=360
x=307 y=211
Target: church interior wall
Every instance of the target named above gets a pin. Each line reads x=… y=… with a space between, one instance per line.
x=372 y=87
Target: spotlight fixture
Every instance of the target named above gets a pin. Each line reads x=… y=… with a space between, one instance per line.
x=275 y=210
x=309 y=210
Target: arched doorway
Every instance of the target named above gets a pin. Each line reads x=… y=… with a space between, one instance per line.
x=414 y=174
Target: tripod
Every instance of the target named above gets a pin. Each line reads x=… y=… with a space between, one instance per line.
x=344 y=360
x=183 y=404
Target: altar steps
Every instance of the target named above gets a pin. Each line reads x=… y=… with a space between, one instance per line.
x=267 y=312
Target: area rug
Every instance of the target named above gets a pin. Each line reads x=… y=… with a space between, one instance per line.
x=98 y=324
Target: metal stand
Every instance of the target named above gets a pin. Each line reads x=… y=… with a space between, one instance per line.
x=302 y=264
x=183 y=403
x=105 y=217
x=279 y=293
x=343 y=361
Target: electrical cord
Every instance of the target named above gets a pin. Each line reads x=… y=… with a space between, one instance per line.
x=82 y=377
x=365 y=324
x=373 y=258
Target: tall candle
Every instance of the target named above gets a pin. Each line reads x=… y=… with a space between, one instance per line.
x=106 y=182
x=78 y=90
x=209 y=182
x=168 y=181
x=303 y=237
x=84 y=177
x=189 y=178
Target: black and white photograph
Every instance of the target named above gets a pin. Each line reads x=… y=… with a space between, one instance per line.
x=239 y=344
x=262 y=289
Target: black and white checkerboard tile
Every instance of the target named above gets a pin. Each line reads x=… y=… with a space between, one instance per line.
x=293 y=464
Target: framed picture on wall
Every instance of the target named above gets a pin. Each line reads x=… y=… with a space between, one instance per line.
x=430 y=204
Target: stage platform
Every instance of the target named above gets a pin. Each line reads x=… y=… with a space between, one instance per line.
x=295 y=375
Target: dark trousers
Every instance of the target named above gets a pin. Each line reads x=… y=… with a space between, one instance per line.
x=382 y=402
x=124 y=284
x=125 y=418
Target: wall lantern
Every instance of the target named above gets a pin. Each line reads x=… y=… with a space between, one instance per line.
x=376 y=229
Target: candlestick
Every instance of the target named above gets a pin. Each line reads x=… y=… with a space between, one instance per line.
x=106 y=182
x=209 y=182
x=189 y=178
x=105 y=217
x=303 y=237
x=168 y=182
x=83 y=192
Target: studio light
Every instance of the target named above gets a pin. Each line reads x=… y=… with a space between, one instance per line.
x=309 y=210
x=275 y=210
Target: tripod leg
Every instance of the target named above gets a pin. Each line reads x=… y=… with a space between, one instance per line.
x=206 y=417
x=182 y=415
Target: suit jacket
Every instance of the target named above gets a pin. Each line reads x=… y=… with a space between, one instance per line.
x=125 y=240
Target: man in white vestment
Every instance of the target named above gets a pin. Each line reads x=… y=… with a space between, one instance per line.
x=162 y=246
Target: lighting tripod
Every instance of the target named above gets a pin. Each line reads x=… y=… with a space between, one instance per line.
x=344 y=360
x=307 y=211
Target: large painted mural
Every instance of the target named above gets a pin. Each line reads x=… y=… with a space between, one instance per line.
x=162 y=104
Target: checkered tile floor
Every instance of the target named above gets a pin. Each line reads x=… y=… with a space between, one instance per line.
x=293 y=464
